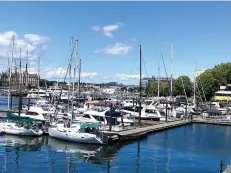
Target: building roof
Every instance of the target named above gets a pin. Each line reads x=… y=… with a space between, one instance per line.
x=223 y=92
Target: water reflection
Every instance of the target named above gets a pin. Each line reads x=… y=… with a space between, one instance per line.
x=193 y=148
x=73 y=153
x=21 y=143
x=138 y=157
x=96 y=154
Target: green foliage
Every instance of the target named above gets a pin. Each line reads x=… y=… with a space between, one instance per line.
x=212 y=79
x=152 y=89
x=177 y=87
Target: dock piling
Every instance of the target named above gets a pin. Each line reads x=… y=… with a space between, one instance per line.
x=122 y=121
x=11 y=102
x=28 y=104
x=166 y=112
x=19 y=104
x=186 y=113
x=110 y=117
x=221 y=166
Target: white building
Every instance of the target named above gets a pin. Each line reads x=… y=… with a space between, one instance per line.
x=109 y=90
x=199 y=72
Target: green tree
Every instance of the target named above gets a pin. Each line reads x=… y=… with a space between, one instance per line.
x=178 y=88
x=152 y=88
x=212 y=79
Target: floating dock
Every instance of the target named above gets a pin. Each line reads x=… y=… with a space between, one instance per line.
x=209 y=121
x=138 y=132
x=153 y=126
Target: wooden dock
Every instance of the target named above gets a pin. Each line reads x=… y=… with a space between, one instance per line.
x=139 y=132
x=153 y=126
x=208 y=121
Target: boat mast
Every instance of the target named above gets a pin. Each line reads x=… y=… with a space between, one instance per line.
x=171 y=70
x=194 y=86
x=69 y=68
x=27 y=75
x=38 y=76
x=64 y=82
x=158 y=92
x=140 y=87
x=73 y=89
x=20 y=76
x=20 y=94
x=10 y=71
x=79 y=81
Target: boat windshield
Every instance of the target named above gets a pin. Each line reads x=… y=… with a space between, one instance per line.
x=148 y=102
x=31 y=113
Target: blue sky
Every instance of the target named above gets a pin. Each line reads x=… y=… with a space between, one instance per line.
x=109 y=35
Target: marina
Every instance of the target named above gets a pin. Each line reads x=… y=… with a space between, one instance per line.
x=115 y=87
x=122 y=138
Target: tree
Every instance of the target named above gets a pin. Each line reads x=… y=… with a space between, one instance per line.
x=178 y=88
x=152 y=88
x=212 y=79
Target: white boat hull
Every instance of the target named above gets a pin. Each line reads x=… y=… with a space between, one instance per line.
x=74 y=136
x=11 y=128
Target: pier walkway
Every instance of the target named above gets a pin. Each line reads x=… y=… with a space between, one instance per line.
x=209 y=121
x=138 y=132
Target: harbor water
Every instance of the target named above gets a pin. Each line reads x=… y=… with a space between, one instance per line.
x=189 y=149
x=194 y=148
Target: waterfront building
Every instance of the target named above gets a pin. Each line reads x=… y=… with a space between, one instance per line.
x=25 y=78
x=198 y=73
x=224 y=94
x=149 y=80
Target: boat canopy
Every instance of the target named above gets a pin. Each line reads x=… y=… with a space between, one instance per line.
x=10 y=115
x=88 y=125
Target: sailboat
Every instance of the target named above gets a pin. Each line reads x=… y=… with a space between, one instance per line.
x=81 y=133
x=17 y=125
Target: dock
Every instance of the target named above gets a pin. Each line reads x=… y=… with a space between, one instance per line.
x=209 y=121
x=138 y=132
x=147 y=127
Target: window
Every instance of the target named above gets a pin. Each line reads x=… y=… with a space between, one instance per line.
x=86 y=116
x=99 y=118
x=32 y=113
x=148 y=102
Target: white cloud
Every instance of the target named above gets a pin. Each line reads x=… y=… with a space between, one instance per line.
x=59 y=73
x=117 y=49
x=124 y=77
x=26 y=45
x=108 y=34
x=107 y=29
x=89 y=74
x=96 y=28
x=36 y=39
